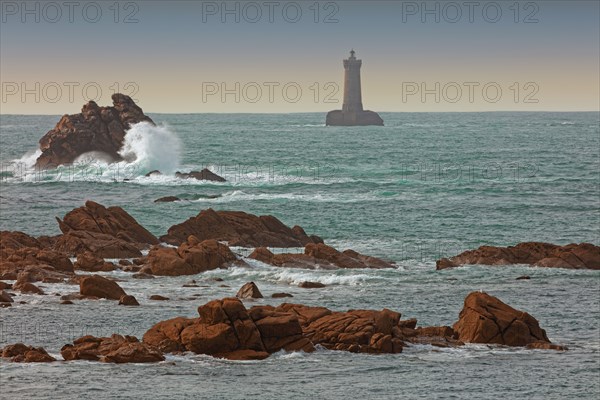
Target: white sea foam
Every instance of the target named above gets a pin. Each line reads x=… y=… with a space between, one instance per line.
x=240 y=195
x=294 y=276
x=28 y=159
x=145 y=148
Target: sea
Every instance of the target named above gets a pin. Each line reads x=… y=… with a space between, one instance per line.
x=423 y=187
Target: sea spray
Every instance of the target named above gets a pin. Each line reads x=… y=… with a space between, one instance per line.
x=145 y=148
x=150 y=147
x=28 y=159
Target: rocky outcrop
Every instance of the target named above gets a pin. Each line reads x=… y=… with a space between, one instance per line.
x=166 y=335
x=21 y=254
x=226 y=329
x=486 y=319
x=97 y=129
x=105 y=232
x=20 y=352
x=319 y=255
x=249 y=291
x=311 y=285
x=359 y=331
x=99 y=244
x=112 y=221
x=115 y=349
x=27 y=287
x=87 y=261
x=190 y=258
x=572 y=256
x=16 y=240
x=98 y=286
x=204 y=175
x=239 y=229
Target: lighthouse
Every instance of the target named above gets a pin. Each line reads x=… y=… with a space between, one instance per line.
x=352 y=92
x=352 y=112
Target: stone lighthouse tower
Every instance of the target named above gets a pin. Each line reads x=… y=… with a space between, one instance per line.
x=352 y=112
x=352 y=95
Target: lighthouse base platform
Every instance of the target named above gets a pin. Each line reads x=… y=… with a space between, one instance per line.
x=353 y=118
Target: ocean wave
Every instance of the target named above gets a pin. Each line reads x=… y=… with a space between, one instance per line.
x=145 y=148
x=319 y=197
x=28 y=159
x=291 y=276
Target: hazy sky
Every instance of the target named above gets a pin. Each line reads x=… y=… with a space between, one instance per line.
x=187 y=57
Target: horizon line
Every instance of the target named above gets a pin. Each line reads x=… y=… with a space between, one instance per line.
x=322 y=112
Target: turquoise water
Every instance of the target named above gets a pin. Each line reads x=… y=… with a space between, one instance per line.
x=426 y=185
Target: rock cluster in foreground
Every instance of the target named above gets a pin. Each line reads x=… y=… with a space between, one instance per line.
x=100 y=129
x=571 y=256
x=227 y=329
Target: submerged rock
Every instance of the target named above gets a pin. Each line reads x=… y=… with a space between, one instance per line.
x=27 y=287
x=4 y=285
x=128 y=300
x=311 y=285
x=153 y=172
x=546 y=346
x=95 y=129
x=158 y=297
x=5 y=297
x=204 y=175
x=238 y=229
x=280 y=295
x=167 y=199
x=572 y=256
x=319 y=255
